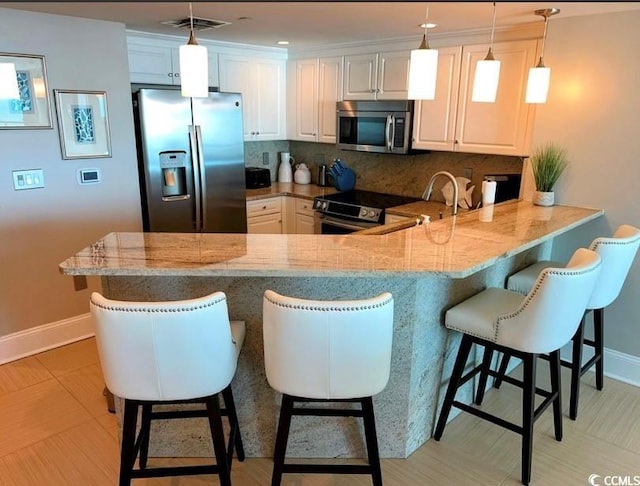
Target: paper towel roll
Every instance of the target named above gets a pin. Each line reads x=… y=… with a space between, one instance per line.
x=485 y=214
x=488 y=192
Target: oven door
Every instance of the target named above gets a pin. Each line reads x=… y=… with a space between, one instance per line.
x=333 y=225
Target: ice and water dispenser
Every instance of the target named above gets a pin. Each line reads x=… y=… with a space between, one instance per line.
x=174 y=174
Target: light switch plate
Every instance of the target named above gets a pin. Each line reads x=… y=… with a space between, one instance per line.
x=28 y=179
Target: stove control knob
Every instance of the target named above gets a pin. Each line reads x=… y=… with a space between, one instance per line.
x=325 y=205
x=363 y=212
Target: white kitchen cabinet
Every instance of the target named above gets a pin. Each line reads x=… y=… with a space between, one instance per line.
x=318 y=86
x=262 y=85
x=159 y=62
x=377 y=76
x=264 y=215
x=304 y=217
x=453 y=122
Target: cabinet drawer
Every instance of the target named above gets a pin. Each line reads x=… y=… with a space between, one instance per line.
x=304 y=206
x=264 y=206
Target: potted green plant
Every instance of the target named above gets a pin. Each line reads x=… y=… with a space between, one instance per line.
x=548 y=162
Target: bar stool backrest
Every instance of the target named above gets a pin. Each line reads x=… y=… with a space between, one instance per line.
x=551 y=312
x=617 y=255
x=163 y=351
x=327 y=349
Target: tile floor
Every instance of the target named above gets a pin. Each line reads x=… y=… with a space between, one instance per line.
x=55 y=430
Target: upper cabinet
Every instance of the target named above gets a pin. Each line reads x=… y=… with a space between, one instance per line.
x=262 y=85
x=155 y=62
x=452 y=122
x=377 y=76
x=315 y=86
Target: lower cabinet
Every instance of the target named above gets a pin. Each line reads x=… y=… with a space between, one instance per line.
x=264 y=215
x=304 y=217
x=280 y=214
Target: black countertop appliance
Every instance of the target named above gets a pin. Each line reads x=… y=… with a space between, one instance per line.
x=257 y=177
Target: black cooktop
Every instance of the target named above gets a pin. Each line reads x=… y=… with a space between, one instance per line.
x=369 y=199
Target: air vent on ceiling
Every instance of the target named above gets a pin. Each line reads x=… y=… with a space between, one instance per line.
x=198 y=23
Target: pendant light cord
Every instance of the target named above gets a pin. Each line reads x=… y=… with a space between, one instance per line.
x=544 y=37
x=425 y=42
x=493 y=25
x=191 y=16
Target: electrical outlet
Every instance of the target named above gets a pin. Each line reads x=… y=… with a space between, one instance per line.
x=468 y=173
x=265 y=158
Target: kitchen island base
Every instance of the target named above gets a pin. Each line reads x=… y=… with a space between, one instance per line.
x=422 y=358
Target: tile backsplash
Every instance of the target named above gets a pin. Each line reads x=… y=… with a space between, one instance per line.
x=397 y=174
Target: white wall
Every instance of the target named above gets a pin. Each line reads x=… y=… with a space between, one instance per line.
x=42 y=227
x=594 y=111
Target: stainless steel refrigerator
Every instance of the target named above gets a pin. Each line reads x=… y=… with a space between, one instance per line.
x=191 y=161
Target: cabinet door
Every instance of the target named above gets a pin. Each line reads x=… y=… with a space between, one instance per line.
x=329 y=93
x=434 y=121
x=307 y=100
x=268 y=99
x=503 y=127
x=393 y=75
x=305 y=224
x=152 y=64
x=235 y=75
x=268 y=223
x=360 y=77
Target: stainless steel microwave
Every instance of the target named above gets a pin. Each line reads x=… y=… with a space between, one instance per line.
x=375 y=126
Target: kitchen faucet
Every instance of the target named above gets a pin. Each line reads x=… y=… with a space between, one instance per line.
x=427 y=192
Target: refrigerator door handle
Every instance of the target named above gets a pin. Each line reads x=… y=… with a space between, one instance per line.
x=203 y=184
x=193 y=146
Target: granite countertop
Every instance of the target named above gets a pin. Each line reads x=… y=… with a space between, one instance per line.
x=454 y=247
x=304 y=191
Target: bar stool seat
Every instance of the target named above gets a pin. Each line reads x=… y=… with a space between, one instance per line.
x=524 y=326
x=161 y=353
x=327 y=352
x=617 y=253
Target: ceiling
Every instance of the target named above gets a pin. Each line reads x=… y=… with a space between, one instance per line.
x=309 y=25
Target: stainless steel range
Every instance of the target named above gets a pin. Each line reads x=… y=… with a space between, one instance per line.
x=350 y=211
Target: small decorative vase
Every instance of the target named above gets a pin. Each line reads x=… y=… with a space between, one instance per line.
x=543 y=198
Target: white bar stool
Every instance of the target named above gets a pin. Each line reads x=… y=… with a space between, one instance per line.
x=327 y=351
x=617 y=253
x=159 y=353
x=541 y=322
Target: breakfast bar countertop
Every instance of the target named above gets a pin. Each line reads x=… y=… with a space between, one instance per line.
x=454 y=247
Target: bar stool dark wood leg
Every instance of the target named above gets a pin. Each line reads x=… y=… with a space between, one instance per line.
x=458 y=369
x=217 y=437
x=235 y=438
x=484 y=374
x=371 y=439
x=598 y=332
x=282 y=436
x=145 y=432
x=555 y=368
x=528 y=408
x=128 y=450
x=576 y=370
x=504 y=363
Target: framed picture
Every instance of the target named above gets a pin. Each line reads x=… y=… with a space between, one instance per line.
x=24 y=100
x=83 y=123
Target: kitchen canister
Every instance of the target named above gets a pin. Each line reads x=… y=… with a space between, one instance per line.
x=285 y=173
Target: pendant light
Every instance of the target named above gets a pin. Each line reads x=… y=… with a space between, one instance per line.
x=423 y=68
x=8 y=82
x=538 y=82
x=194 y=66
x=485 y=82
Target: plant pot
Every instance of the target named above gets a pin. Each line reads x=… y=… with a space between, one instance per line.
x=543 y=198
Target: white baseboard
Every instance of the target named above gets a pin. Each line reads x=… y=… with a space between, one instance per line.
x=42 y=338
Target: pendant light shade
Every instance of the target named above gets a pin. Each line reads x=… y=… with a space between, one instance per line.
x=194 y=67
x=8 y=82
x=540 y=75
x=423 y=69
x=485 y=82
